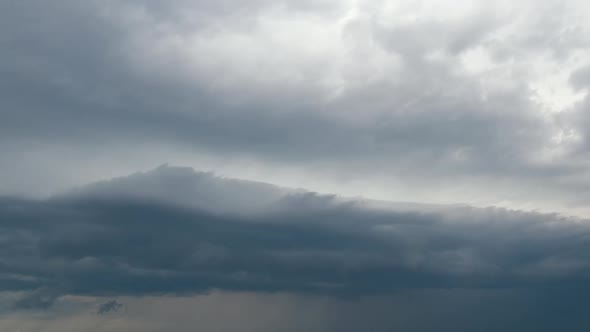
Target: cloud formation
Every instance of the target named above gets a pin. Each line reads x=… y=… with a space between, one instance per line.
x=108 y=239
x=362 y=91
x=478 y=104
x=109 y=307
x=172 y=239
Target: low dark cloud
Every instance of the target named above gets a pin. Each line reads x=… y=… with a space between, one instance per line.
x=131 y=244
x=109 y=307
x=322 y=262
x=482 y=104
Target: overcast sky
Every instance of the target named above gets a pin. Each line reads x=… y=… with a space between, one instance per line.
x=428 y=152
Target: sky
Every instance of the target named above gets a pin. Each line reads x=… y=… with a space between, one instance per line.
x=327 y=165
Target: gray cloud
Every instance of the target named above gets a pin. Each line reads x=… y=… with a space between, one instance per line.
x=481 y=103
x=177 y=246
x=382 y=97
x=109 y=307
x=108 y=239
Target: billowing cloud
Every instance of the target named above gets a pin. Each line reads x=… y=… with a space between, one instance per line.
x=474 y=111
x=369 y=92
x=138 y=239
x=127 y=237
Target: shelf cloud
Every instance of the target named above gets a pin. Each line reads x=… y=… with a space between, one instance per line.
x=341 y=156
x=132 y=236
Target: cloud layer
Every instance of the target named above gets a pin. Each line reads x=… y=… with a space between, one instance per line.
x=127 y=237
x=366 y=92
x=173 y=244
x=437 y=102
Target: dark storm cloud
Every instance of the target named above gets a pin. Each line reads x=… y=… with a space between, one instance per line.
x=130 y=243
x=429 y=103
x=109 y=307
